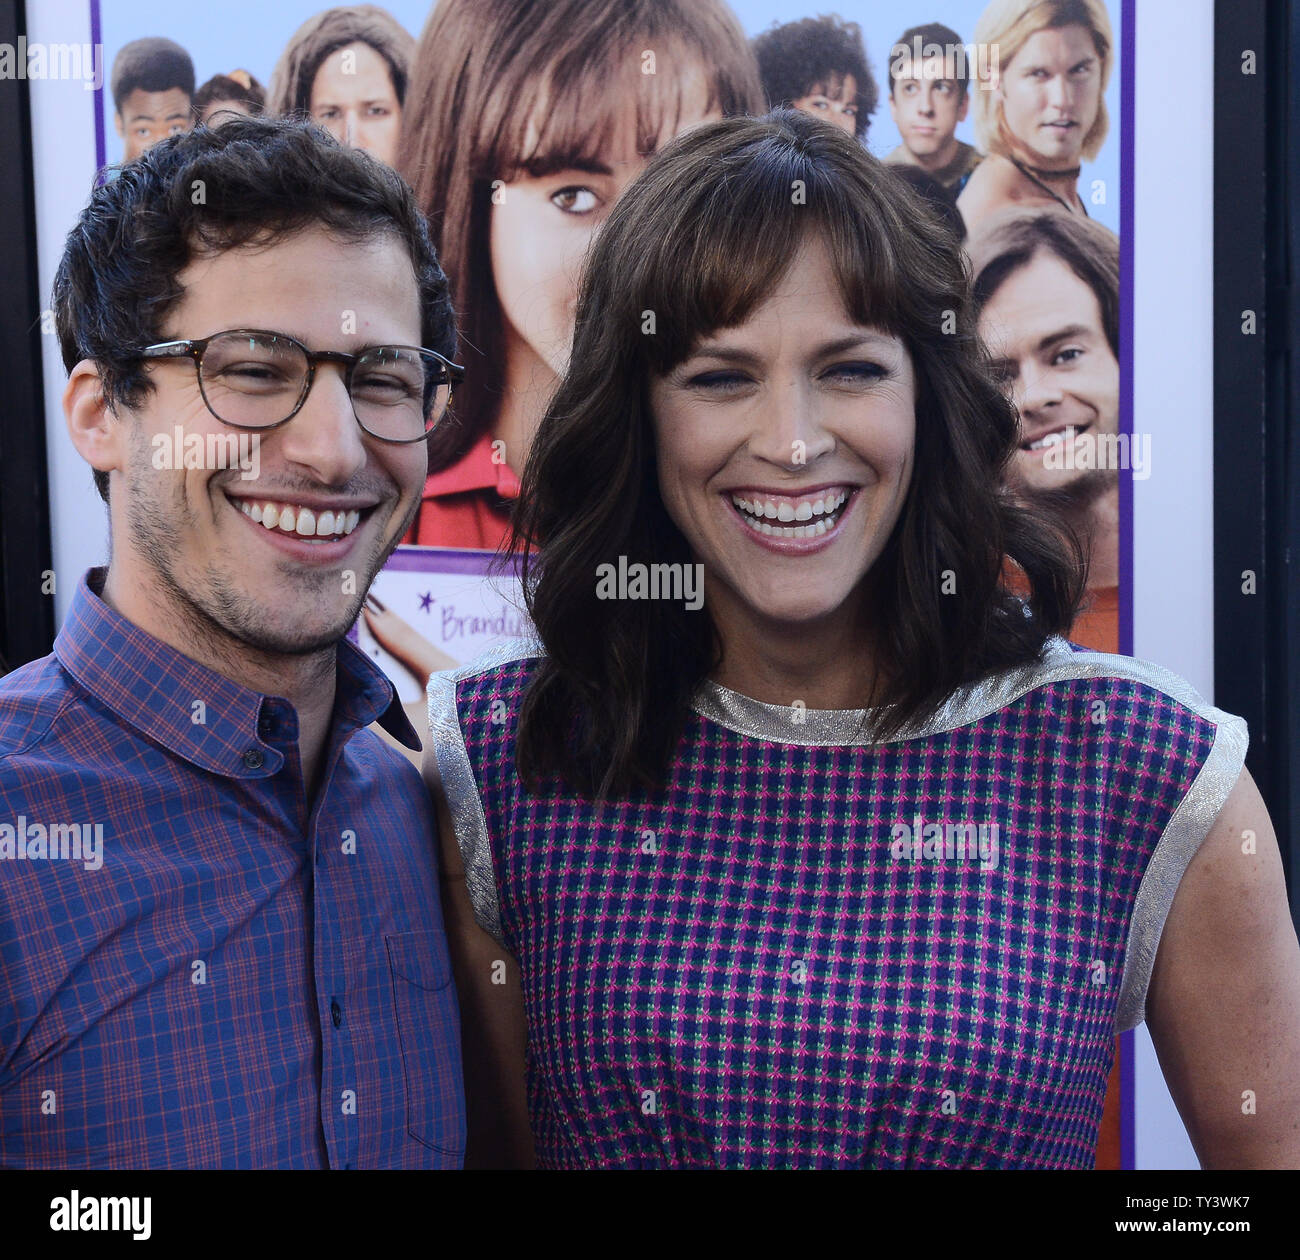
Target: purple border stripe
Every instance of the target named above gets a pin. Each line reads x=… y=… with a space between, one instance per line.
x=1128 y=56
x=96 y=40
x=1126 y=262
x=412 y=559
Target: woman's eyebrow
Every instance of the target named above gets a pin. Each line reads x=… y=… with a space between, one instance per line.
x=734 y=354
x=548 y=164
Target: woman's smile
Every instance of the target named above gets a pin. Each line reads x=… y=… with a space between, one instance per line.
x=792 y=522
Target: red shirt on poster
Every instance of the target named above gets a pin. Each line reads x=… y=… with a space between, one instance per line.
x=468 y=504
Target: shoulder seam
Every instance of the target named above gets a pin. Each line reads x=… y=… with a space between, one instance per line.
x=504 y=653
x=38 y=736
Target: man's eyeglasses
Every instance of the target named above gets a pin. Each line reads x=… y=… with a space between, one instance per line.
x=254 y=379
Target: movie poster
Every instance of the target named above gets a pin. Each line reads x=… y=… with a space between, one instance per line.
x=987 y=117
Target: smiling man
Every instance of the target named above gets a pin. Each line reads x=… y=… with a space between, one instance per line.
x=253 y=972
x=1047 y=289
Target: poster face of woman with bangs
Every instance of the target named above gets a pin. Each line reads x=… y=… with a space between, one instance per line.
x=520 y=123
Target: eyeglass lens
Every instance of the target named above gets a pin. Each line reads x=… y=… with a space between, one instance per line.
x=397 y=392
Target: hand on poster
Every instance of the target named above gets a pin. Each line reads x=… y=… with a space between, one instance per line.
x=432 y=609
x=403 y=642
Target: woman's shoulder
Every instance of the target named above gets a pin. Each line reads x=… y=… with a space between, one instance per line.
x=1062 y=659
x=1112 y=686
x=1075 y=706
x=492 y=683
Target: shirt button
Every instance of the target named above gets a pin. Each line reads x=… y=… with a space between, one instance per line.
x=336 y=1013
x=253 y=759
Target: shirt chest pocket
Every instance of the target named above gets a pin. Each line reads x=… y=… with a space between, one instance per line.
x=428 y=1027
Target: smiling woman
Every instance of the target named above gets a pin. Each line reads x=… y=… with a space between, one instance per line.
x=698 y=839
x=526 y=124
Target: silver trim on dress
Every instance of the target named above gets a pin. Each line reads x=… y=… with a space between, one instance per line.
x=458 y=783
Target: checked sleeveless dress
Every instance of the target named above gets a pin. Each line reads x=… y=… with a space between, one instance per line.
x=805 y=952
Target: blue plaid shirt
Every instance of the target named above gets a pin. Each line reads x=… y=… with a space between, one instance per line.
x=198 y=967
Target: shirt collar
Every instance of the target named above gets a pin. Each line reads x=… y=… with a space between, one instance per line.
x=192 y=710
x=475 y=470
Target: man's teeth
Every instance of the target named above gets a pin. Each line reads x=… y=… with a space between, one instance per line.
x=301 y=521
x=1051 y=439
x=822 y=511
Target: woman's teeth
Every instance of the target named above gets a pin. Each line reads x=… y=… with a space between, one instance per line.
x=300 y=521
x=822 y=511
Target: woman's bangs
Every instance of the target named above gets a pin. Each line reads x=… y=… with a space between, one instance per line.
x=586 y=121
x=733 y=247
x=872 y=285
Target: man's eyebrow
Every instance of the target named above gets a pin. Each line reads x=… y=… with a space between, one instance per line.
x=372 y=100
x=1070 y=330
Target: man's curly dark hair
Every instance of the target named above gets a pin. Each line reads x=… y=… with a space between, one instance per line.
x=816 y=52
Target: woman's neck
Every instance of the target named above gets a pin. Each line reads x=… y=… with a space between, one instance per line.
x=527 y=385
x=825 y=665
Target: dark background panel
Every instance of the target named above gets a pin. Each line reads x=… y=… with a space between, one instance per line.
x=1256 y=392
x=26 y=615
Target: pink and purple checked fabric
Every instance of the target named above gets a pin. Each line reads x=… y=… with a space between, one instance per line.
x=810 y=950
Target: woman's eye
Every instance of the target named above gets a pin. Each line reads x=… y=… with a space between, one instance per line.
x=575 y=200
x=718 y=382
x=378 y=111
x=855 y=373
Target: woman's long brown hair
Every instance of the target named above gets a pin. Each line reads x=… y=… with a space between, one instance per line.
x=700 y=238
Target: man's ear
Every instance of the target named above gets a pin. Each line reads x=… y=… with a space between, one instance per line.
x=963 y=108
x=118 y=124
x=95 y=431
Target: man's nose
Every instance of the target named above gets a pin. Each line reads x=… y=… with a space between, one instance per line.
x=1036 y=389
x=324 y=437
